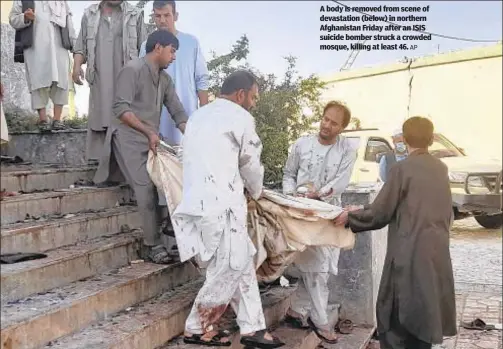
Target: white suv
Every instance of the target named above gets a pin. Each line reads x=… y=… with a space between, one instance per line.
x=476 y=187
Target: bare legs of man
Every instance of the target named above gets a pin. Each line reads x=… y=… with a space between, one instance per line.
x=40 y=98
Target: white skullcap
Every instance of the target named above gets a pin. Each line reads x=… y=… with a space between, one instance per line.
x=397 y=132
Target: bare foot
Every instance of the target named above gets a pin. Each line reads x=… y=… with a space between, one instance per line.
x=330 y=335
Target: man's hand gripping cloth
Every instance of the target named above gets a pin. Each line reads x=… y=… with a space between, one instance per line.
x=280 y=226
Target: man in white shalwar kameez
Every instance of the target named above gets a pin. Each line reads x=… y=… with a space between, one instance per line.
x=47 y=60
x=319 y=167
x=221 y=161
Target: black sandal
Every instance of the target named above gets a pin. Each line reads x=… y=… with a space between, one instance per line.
x=213 y=342
x=159 y=255
x=258 y=341
x=320 y=336
x=295 y=322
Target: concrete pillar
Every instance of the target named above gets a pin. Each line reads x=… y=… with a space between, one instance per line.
x=356 y=285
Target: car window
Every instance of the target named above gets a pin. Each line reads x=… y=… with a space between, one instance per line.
x=442 y=148
x=375 y=147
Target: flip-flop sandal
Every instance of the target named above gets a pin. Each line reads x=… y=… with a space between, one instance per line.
x=344 y=327
x=215 y=341
x=320 y=336
x=11 y=258
x=295 y=322
x=478 y=325
x=159 y=255
x=258 y=341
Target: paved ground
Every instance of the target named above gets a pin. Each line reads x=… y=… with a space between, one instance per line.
x=477 y=262
x=476 y=257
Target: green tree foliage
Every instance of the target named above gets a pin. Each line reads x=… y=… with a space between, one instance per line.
x=287 y=108
x=356 y=123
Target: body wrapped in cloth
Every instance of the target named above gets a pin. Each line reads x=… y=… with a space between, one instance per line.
x=280 y=226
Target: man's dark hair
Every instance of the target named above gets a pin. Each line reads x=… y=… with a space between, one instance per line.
x=158 y=4
x=239 y=80
x=418 y=132
x=161 y=37
x=345 y=111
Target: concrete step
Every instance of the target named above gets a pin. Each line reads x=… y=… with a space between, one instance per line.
x=66 y=265
x=28 y=178
x=16 y=208
x=40 y=236
x=307 y=339
x=157 y=321
x=37 y=320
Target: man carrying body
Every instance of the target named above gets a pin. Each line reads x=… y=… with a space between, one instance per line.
x=110 y=35
x=46 y=60
x=189 y=72
x=392 y=157
x=142 y=87
x=221 y=160
x=416 y=301
x=321 y=165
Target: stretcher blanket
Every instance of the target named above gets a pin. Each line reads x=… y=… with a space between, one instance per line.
x=4 y=134
x=280 y=226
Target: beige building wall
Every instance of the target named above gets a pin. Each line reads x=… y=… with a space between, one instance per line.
x=460 y=91
x=5 y=7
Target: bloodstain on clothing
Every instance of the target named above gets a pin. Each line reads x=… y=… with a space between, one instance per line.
x=211 y=315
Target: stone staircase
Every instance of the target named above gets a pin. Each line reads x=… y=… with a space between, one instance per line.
x=92 y=291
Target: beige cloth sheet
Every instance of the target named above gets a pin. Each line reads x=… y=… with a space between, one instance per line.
x=280 y=226
x=3 y=127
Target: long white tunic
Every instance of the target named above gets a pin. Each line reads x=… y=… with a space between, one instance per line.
x=46 y=61
x=221 y=157
x=327 y=169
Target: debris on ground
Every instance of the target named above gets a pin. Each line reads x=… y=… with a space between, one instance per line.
x=4 y=193
x=13 y=160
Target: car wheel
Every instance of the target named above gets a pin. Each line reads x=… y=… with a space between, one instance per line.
x=490 y=222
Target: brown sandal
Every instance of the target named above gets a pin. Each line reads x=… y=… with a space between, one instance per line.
x=344 y=327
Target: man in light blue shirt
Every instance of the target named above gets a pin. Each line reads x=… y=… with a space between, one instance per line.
x=189 y=71
x=399 y=154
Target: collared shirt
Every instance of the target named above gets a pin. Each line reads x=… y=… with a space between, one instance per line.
x=221 y=158
x=324 y=167
x=189 y=71
x=142 y=89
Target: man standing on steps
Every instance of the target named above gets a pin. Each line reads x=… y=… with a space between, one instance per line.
x=189 y=71
x=189 y=74
x=319 y=167
x=142 y=87
x=392 y=157
x=221 y=161
x=110 y=35
x=44 y=30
